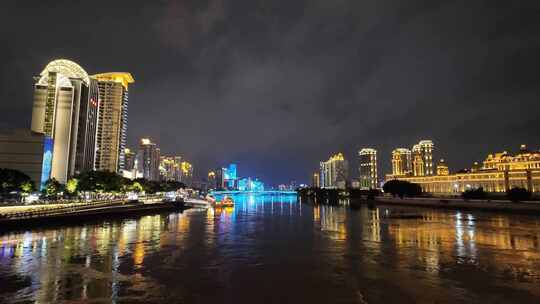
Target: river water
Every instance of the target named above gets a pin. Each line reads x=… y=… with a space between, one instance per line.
x=274 y=249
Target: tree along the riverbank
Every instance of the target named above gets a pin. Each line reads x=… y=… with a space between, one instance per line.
x=14 y=181
x=518 y=194
x=402 y=188
x=474 y=194
x=104 y=182
x=515 y=195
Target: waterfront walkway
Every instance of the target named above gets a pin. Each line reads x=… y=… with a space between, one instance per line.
x=531 y=207
x=19 y=215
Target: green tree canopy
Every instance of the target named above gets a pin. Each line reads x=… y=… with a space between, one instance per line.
x=402 y=188
x=72 y=186
x=100 y=181
x=13 y=180
x=53 y=188
x=518 y=194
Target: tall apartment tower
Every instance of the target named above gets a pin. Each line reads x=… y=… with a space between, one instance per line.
x=65 y=111
x=426 y=150
x=368 y=168
x=148 y=160
x=401 y=162
x=423 y=158
x=129 y=163
x=170 y=168
x=418 y=161
x=316 y=180
x=334 y=172
x=113 y=118
x=212 y=180
x=187 y=173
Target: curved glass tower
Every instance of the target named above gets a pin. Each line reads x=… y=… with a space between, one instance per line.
x=65 y=110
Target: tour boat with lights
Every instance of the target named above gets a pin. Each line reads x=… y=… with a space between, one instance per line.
x=227 y=201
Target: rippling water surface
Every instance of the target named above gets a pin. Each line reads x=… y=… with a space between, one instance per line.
x=273 y=249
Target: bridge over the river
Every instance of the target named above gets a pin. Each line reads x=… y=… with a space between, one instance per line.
x=268 y=192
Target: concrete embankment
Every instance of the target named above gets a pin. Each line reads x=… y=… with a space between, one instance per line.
x=460 y=204
x=82 y=213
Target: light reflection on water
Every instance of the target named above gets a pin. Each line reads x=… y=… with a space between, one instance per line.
x=274 y=248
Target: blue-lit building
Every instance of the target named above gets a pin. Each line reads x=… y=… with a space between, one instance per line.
x=248 y=184
x=229 y=177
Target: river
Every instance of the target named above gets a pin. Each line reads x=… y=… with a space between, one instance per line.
x=274 y=249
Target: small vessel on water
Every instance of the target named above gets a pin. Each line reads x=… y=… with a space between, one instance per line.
x=226 y=202
x=174 y=198
x=210 y=198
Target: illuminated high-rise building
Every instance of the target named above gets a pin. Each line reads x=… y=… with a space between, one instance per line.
x=426 y=148
x=418 y=161
x=171 y=168
x=65 y=110
x=316 y=180
x=148 y=160
x=334 y=172
x=220 y=182
x=422 y=156
x=401 y=161
x=212 y=184
x=130 y=157
x=230 y=177
x=131 y=164
x=368 y=168
x=187 y=173
x=113 y=116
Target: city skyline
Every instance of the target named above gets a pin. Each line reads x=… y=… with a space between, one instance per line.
x=387 y=83
x=201 y=151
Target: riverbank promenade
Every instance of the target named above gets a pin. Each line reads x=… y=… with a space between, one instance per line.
x=528 y=207
x=13 y=216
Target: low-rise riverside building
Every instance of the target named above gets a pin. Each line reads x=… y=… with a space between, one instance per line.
x=498 y=173
x=26 y=151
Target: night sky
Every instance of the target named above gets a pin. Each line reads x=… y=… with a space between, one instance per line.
x=278 y=85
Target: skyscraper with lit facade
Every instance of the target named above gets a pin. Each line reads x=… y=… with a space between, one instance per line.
x=171 y=168
x=334 y=172
x=211 y=178
x=423 y=158
x=148 y=160
x=113 y=117
x=368 y=168
x=220 y=183
x=187 y=173
x=131 y=164
x=401 y=161
x=65 y=110
x=130 y=157
x=316 y=180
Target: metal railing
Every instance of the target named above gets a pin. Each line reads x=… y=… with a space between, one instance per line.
x=59 y=209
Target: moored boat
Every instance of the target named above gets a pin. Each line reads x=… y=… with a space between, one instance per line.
x=226 y=202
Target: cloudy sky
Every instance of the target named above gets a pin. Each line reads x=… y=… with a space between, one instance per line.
x=278 y=85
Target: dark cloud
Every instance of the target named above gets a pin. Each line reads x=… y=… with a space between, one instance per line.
x=279 y=85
